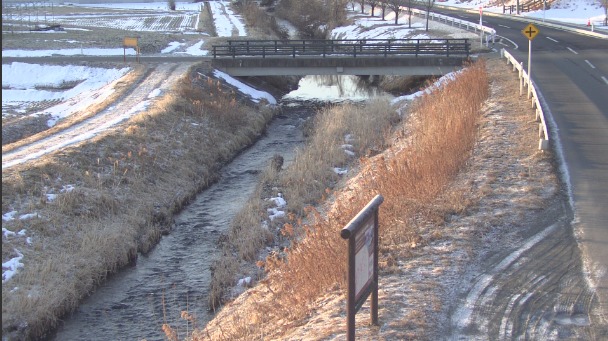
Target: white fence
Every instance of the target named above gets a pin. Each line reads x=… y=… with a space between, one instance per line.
x=490 y=33
x=524 y=80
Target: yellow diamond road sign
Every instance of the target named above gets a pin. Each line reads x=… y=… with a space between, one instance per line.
x=530 y=31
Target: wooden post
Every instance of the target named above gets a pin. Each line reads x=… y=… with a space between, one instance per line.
x=362 y=235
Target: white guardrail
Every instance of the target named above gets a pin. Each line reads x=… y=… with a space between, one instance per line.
x=524 y=80
x=490 y=33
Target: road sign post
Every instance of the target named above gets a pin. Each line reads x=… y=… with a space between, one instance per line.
x=530 y=32
x=130 y=42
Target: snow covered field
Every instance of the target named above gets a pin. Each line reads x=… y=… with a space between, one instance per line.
x=28 y=84
x=26 y=87
x=567 y=11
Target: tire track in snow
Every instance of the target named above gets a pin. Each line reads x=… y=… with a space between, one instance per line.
x=226 y=22
x=141 y=96
x=536 y=292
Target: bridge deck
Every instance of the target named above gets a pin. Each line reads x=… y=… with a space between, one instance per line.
x=345 y=47
x=353 y=57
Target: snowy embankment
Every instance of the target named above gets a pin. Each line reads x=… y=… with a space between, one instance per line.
x=568 y=11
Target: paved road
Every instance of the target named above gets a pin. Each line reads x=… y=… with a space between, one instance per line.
x=571 y=71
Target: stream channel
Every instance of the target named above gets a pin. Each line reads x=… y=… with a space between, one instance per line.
x=175 y=275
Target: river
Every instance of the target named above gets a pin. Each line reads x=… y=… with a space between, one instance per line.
x=174 y=277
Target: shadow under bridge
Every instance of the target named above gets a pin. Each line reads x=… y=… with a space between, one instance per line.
x=414 y=57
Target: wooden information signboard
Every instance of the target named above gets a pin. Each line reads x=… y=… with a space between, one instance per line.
x=362 y=235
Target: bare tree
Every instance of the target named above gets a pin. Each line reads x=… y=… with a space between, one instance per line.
x=409 y=4
x=336 y=12
x=362 y=3
x=383 y=7
x=605 y=12
x=427 y=5
x=373 y=4
x=395 y=6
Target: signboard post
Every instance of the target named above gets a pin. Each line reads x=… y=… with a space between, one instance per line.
x=362 y=235
x=130 y=42
x=530 y=32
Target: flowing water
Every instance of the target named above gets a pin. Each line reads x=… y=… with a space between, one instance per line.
x=175 y=275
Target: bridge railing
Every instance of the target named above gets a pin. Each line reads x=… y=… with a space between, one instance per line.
x=345 y=47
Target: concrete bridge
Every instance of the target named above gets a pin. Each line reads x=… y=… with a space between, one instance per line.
x=423 y=57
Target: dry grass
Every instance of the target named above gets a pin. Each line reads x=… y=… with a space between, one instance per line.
x=361 y=130
x=125 y=193
x=418 y=270
x=338 y=131
x=260 y=23
x=440 y=135
x=313 y=18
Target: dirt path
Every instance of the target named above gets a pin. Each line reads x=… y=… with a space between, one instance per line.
x=158 y=79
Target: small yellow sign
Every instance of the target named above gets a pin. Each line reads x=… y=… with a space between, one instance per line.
x=130 y=42
x=530 y=31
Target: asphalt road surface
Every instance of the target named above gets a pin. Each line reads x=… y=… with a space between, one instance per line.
x=571 y=72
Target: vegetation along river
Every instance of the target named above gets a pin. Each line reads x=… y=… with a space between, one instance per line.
x=175 y=275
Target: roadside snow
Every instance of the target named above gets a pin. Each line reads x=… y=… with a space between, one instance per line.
x=567 y=11
x=226 y=21
x=10 y=267
x=23 y=84
x=256 y=95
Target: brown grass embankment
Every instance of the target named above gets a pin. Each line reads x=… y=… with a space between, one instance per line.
x=439 y=134
x=302 y=184
x=122 y=190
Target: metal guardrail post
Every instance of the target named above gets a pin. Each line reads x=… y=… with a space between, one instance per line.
x=543 y=132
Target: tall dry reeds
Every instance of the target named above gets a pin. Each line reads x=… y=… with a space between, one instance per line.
x=443 y=132
x=436 y=142
x=341 y=134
